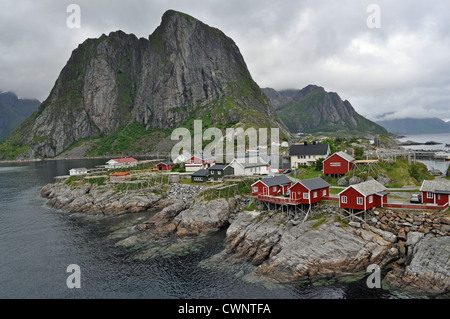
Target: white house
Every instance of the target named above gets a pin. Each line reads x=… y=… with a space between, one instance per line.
x=121 y=162
x=307 y=154
x=78 y=171
x=250 y=167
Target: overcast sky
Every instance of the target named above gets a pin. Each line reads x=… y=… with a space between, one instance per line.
x=397 y=64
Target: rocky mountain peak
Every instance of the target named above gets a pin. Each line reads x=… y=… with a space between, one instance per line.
x=185 y=70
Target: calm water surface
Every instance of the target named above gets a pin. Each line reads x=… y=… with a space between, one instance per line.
x=38 y=243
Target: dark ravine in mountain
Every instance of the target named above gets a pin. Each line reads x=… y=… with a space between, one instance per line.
x=312 y=110
x=185 y=70
x=13 y=111
x=416 y=126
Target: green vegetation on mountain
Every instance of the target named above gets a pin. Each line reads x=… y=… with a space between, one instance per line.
x=313 y=110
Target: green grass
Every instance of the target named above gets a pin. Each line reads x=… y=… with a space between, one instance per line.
x=306 y=172
x=128 y=139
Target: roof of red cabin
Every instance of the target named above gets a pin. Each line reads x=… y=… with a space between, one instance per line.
x=120 y=174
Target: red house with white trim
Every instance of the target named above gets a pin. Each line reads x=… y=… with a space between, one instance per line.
x=436 y=192
x=309 y=191
x=272 y=186
x=340 y=163
x=195 y=163
x=363 y=196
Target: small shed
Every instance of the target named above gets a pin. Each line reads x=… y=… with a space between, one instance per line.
x=218 y=171
x=119 y=177
x=78 y=171
x=165 y=166
x=200 y=176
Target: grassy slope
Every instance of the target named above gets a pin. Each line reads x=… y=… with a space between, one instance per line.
x=297 y=114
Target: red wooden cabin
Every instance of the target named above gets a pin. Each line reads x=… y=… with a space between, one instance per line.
x=363 y=196
x=436 y=192
x=309 y=191
x=165 y=166
x=339 y=163
x=272 y=186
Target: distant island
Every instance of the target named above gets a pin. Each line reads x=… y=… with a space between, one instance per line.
x=410 y=126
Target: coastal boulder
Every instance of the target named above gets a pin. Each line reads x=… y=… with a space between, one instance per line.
x=429 y=269
x=204 y=217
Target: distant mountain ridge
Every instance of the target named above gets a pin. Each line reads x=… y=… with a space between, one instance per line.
x=313 y=110
x=13 y=111
x=416 y=126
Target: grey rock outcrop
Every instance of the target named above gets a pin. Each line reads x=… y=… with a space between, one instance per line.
x=98 y=200
x=428 y=271
x=299 y=251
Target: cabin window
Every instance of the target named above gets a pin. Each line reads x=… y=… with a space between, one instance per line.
x=359 y=200
x=219 y=173
x=344 y=199
x=300 y=194
x=306 y=196
x=315 y=195
x=439 y=197
x=274 y=188
x=255 y=189
x=370 y=199
x=324 y=193
x=430 y=195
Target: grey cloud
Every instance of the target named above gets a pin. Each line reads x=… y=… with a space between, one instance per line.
x=401 y=68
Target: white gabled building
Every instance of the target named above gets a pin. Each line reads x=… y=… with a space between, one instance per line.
x=256 y=166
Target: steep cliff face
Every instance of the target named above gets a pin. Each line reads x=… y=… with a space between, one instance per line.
x=185 y=70
x=312 y=109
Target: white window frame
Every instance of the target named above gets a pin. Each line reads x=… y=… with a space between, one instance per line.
x=429 y=195
x=344 y=199
x=274 y=189
x=255 y=189
x=306 y=195
x=315 y=195
x=324 y=192
x=360 y=201
x=370 y=199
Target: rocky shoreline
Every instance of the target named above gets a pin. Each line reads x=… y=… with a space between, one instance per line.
x=411 y=249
